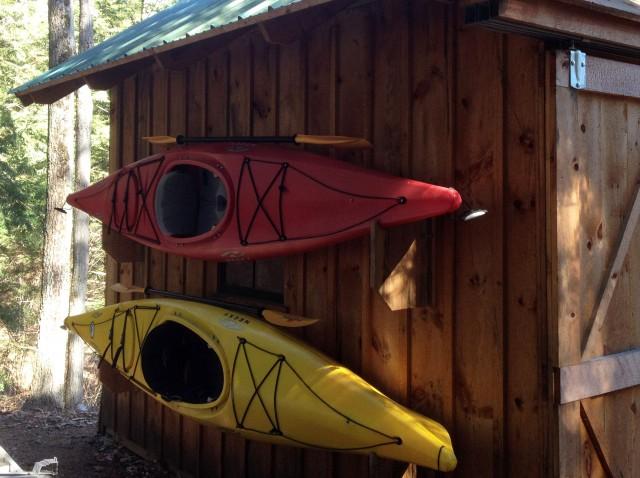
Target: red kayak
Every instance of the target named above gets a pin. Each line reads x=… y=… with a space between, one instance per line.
x=238 y=201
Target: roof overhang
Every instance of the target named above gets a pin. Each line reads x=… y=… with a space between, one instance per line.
x=604 y=25
x=175 y=53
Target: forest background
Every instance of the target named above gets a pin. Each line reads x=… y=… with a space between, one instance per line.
x=23 y=173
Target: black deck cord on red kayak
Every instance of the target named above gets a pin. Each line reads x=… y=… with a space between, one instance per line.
x=280 y=232
x=280 y=361
x=142 y=193
x=124 y=220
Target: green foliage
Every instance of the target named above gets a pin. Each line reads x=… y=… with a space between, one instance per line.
x=23 y=131
x=116 y=15
x=23 y=150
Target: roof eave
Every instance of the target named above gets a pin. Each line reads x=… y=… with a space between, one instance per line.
x=108 y=74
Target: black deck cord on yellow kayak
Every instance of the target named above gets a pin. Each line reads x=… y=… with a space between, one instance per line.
x=142 y=191
x=275 y=423
x=439 y=453
x=280 y=232
x=142 y=341
x=131 y=311
x=120 y=349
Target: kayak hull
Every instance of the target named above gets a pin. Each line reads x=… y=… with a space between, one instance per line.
x=268 y=386
x=277 y=201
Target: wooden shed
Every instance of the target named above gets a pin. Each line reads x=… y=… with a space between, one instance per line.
x=518 y=331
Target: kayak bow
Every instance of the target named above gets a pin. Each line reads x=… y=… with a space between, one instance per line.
x=238 y=373
x=239 y=201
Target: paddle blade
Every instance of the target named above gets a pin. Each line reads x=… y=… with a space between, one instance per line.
x=344 y=142
x=126 y=289
x=284 y=319
x=160 y=139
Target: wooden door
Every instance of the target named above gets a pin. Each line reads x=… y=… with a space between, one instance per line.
x=595 y=273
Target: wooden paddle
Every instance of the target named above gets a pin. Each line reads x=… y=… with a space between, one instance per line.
x=344 y=142
x=275 y=317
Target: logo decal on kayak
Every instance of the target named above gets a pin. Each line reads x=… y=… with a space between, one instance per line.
x=238 y=148
x=234 y=255
x=230 y=324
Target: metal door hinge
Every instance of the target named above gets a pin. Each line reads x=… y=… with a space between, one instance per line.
x=578 y=69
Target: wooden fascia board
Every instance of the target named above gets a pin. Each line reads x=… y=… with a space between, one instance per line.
x=49 y=95
x=556 y=20
x=620 y=8
x=599 y=376
x=605 y=76
x=107 y=79
x=38 y=93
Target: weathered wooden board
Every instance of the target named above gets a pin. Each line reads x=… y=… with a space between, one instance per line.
x=599 y=376
x=603 y=75
x=111 y=265
x=353 y=92
x=526 y=401
x=431 y=385
x=549 y=270
x=479 y=327
x=569 y=441
x=597 y=182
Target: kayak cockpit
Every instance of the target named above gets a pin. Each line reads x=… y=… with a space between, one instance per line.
x=180 y=366
x=189 y=201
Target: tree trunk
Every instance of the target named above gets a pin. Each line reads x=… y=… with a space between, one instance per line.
x=84 y=115
x=56 y=270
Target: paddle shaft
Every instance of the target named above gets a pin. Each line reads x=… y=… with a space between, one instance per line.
x=235 y=139
x=244 y=309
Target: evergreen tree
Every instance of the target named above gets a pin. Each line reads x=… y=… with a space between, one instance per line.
x=56 y=263
x=23 y=148
x=23 y=157
x=84 y=114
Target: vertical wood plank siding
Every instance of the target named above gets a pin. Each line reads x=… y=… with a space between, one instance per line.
x=479 y=285
x=460 y=107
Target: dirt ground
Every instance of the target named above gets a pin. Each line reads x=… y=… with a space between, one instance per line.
x=31 y=435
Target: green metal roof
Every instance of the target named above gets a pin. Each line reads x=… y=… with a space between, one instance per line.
x=187 y=18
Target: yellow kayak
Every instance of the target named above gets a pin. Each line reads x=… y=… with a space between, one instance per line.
x=241 y=374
